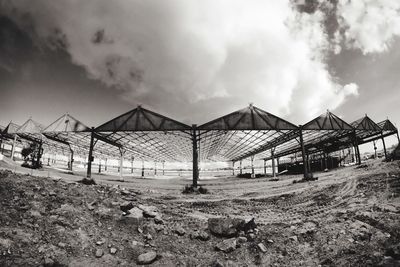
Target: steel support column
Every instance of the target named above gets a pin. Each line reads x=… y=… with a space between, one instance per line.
x=233 y=168
x=265 y=167
x=13 y=147
x=252 y=166
x=163 y=168
x=121 y=165
x=105 y=165
x=357 y=150
x=155 y=168
x=303 y=153
x=71 y=160
x=384 y=146
x=99 y=165
x=90 y=156
x=195 y=155
x=273 y=162
x=240 y=167
x=142 y=168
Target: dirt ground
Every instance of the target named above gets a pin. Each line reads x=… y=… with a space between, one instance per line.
x=349 y=217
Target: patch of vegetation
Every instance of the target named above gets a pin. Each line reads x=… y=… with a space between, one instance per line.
x=189 y=189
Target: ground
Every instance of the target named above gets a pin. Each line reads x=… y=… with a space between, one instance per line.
x=348 y=217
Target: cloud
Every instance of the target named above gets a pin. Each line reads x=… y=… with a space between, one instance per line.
x=181 y=55
x=369 y=25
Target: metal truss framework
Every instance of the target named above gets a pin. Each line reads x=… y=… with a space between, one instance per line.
x=247 y=133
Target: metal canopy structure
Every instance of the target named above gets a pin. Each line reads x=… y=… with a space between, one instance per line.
x=241 y=134
x=247 y=133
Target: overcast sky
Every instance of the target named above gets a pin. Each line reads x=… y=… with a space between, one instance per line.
x=195 y=60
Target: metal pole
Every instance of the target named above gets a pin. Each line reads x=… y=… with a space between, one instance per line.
x=155 y=168
x=374 y=149
x=142 y=168
x=13 y=147
x=240 y=165
x=90 y=156
x=303 y=153
x=357 y=150
x=398 y=138
x=71 y=160
x=195 y=156
x=163 y=168
x=233 y=168
x=99 y=165
x=252 y=166
x=121 y=165
x=105 y=165
x=265 y=167
x=273 y=162
x=384 y=145
x=132 y=165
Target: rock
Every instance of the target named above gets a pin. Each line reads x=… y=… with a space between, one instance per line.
x=61 y=245
x=227 y=245
x=126 y=206
x=242 y=239
x=270 y=241
x=148 y=237
x=147 y=258
x=200 y=235
x=135 y=216
x=125 y=192
x=252 y=236
x=136 y=243
x=225 y=227
x=52 y=194
x=99 y=253
x=262 y=247
x=158 y=219
x=180 y=231
x=217 y=263
x=48 y=261
x=113 y=250
x=100 y=242
x=294 y=238
x=149 y=211
x=250 y=225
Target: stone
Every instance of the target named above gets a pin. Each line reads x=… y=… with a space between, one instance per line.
x=262 y=247
x=126 y=206
x=136 y=243
x=294 y=238
x=227 y=245
x=225 y=227
x=113 y=250
x=149 y=211
x=242 y=239
x=200 y=235
x=217 y=263
x=135 y=216
x=270 y=241
x=147 y=258
x=158 y=219
x=99 y=253
x=180 y=231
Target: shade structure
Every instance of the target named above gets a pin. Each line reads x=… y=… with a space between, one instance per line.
x=241 y=134
x=147 y=135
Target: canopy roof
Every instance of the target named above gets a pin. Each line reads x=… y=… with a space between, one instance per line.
x=249 y=118
x=140 y=119
x=250 y=131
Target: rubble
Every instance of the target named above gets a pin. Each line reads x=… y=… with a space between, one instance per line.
x=147 y=258
x=227 y=246
x=225 y=227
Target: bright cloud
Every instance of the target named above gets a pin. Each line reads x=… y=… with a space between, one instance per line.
x=180 y=54
x=370 y=25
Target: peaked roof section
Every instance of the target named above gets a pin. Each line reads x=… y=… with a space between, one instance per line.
x=30 y=127
x=327 y=121
x=387 y=125
x=66 y=123
x=11 y=128
x=249 y=118
x=141 y=119
x=365 y=124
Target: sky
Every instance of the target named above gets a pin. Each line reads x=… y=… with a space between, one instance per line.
x=196 y=60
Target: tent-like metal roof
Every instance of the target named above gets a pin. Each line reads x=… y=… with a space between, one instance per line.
x=241 y=134
x=148 y=135
x=249 y=118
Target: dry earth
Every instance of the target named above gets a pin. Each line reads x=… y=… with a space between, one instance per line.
x=349 y=217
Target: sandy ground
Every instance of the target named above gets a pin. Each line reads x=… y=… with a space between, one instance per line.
x=348 y=217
